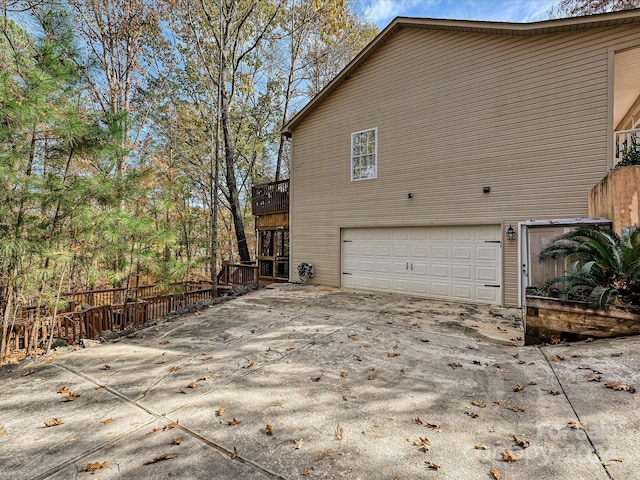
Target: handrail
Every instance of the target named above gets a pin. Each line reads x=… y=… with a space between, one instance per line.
x=623 y=141
x=238 y=274
x=270 y=198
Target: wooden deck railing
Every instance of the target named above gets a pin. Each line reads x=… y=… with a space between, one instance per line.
x=238 y=274
x=270 y=198
x=624 y=143
x=89 y=314
x=93 y=322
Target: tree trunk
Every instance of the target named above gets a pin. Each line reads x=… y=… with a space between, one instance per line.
x=232 y=187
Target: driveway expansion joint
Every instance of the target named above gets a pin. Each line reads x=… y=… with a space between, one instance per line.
x=586 y=432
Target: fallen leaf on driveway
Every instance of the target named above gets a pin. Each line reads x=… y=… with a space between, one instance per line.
x=233 y=422
x=234 y=455
x=371 y=377
x=29 y=372
x=499 y=402
x=339 y=432
x=353 y=337
x=343 y=374
x=269 y=429
x=576 y=425
x=220 y=411
x=479 y=403
x=521 y=442
x=174 y=369
x=166 y=456
x=53 y=422
x=205 y=377
x=496 y=474
x=316 y=378
x=71 y=397
x=94 y=467
x=557 y=358
x=432 y=425
x=472 y=414
x=455 y=365
x=423 y=442
x=518 y=388
x=508 y=456
x=108 y=420
x=616 y=354
x=250 y=364
x=417 y=421
x=163 y=342
x=178 y=441
x=391 y=355
x=432 y=466
x=106 y=367
x=594 y=378
x=171 y=425
x=193 y=385
x=64 y=390
x=154 y=430
x=516 y=408
x=3 y=431
x=480 y=446
x=551 y=392
x=298 y=444
x=305 y=473
x=620 y=386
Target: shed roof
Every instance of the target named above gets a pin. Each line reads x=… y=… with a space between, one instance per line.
x=627 y=17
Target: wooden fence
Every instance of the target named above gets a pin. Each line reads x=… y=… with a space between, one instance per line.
x=93 y=321
x=92 y=313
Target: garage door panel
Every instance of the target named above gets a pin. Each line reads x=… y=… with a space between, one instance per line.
x=441 y=271
x=487 y=294
x=462 y=272
x=456 y=263
x=462 y=292
x=462 y=234
x=439 y=252
x=383 y=267
x=487 y=274
x=419 y=251
x=487 y=254
x=440 y=289
x=462 y=253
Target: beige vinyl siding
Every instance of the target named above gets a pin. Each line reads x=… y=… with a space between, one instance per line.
x=456 y=111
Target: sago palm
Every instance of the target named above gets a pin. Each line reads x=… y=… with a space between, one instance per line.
x=601 y=262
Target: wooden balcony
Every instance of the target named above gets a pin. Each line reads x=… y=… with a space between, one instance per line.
x=270 y=198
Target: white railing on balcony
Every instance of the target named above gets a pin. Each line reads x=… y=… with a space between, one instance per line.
x=623 y=142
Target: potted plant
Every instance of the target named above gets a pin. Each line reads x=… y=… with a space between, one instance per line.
x=599 y=295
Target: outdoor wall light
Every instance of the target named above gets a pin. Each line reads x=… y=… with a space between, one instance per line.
x=409 y=195
x=511 y=233
x=486 y=189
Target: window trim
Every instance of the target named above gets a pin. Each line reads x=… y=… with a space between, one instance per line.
x=375 y=153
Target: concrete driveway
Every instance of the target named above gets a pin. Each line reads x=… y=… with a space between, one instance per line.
x=307 y=382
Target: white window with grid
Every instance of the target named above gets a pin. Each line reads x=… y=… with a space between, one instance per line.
x=364 y=154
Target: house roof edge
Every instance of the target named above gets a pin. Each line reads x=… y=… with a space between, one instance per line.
x=625 y=17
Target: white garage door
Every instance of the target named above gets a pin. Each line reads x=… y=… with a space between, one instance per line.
x=453 y=263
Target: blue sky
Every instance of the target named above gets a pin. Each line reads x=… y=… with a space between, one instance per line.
x=381 y=12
